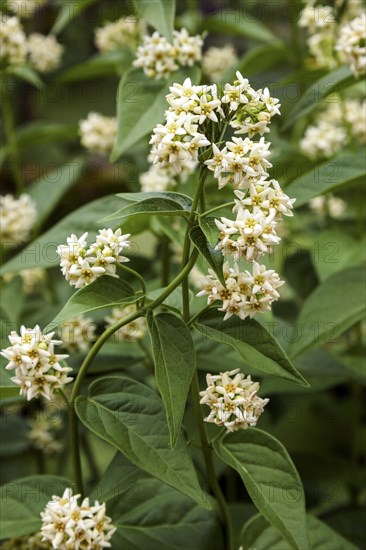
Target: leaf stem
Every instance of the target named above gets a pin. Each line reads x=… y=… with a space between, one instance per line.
x=73 y=421
x=139 y=277
x=215 y=208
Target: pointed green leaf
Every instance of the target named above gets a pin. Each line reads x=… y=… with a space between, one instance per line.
x=318 y=91
x=258 y=534
x=271 y=480
x=28 y=74
x=104 y=292
x=333 y=307
x=49 y=189
x=141 y=105
x=131 y=494
x=99 y=65
x=23 y=500
x=213 y=257
x=236 y=23
x=42 y=132
x=175 y=362
x=258 y=348
x=131 y=417
x=159 y=14
x=68 y=11
x=162 y=203
x=209 y=229
x=343 y=170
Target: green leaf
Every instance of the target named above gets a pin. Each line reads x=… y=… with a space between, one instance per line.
x=271 y=480
x=162 y=203
x=141 y=105
x=237 y=24
x=49 y=189
x=213 y=257
x=333 y=307
x=28 y=74
x=318 y=91
x=258 y=348
x=12 y=299
x=159 y=14
x=258 y=59
x=261 y=536
x=131 y=495
x=343 y=170
x=210 y=230
x=23 y=500
x=42 y=251
x=7 y=392
x=175 y=363
x=99 y=65
x=38 y=133
x=104 y=292
x=69 y=10
x=130 y=416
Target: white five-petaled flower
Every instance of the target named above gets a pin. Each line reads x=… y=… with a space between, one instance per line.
x=38 y=370
x=233 y=400
x=98 y=133
x=67 y=525
x=114 y=35
x=351 y=44
x=13 y=48
x=44 y=52
x=81 y=265
x=17 y=217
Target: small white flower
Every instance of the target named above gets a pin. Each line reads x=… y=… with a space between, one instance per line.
x=132 y=331
x=317 y=17
x=216 y=61
x=98 y=133
x=351 y=44
x=44 y=52
x=38 y=370
x=233 y=400
x=66 y=524
x=156 y=179
x=13 y=47
x=17 y=217
x=78 y=333
x=114 y=35
x=323 y=140
x=188 y=49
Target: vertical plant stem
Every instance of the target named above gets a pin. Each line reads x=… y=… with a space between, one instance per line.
x=165 y=260
x=205 y=446
x=11 y=141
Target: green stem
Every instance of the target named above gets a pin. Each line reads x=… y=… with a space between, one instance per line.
x=73 y=422
x=165 y=260
x=139 y=277
x=11 y=140
x=210 y=469
x=198 y=314
x=215 y=208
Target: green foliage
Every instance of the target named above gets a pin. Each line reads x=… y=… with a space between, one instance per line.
x=130 y=416
x=257 y=347
x=149 y=204
x=175 y=362
x=104 y=292
x=159 y=14
x=98 y=66
x=322 y=318
x=231 y=22
x=257 y=533
x=213 y=257
x=271 y=480
x=23 y=500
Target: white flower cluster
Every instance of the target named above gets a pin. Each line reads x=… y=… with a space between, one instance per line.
x=327 y=36
x=258 y=210
x=66 y=525
x=116 y=34
x=158 y=58
x=245 y=294
x=330 y=205
x=340 y=122
x=156 y=179
x=32 y=279
x=132 y=331
x=44 y=52
x=78 y=333
x=38 y=371
x=98 y=133
x=17 y=217
x=13 y=49
x=233 y=400
x=82 y=264
x=351 y=44
x=216 y=61
x=42 y=434
x=25 y=8
x=322 y=140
